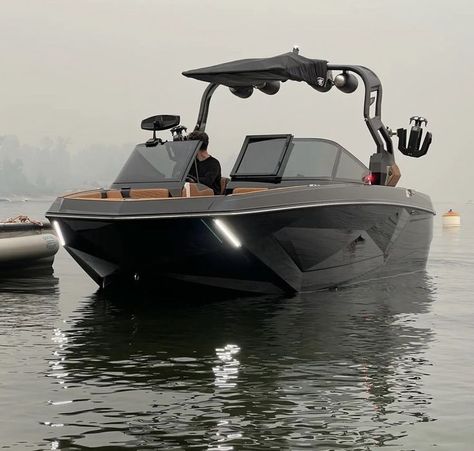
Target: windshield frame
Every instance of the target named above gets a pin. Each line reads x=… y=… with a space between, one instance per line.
x=234 y=174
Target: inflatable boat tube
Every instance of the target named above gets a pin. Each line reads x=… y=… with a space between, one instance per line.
x=27 y=248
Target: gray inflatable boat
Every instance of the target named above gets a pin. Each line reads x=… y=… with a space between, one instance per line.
x=26 y=244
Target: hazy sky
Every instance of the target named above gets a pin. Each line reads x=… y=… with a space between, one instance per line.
x=90 y=70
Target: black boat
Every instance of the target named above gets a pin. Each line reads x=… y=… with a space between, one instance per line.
x=297 y=214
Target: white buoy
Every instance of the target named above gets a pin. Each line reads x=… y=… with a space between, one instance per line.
x=451 y=219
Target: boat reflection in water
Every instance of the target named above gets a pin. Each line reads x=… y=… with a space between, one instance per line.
x=340 y=369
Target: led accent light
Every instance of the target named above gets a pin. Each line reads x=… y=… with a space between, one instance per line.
x=227 y=233
x=59 y=233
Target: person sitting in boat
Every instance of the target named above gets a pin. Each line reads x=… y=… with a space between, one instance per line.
x=208 y=168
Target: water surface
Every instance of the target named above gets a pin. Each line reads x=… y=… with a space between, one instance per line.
x=385 y=364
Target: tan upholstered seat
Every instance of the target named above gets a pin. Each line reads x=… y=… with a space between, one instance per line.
x=116 y=194
x=248 y=190
x=95 y=194
x=113 y=194
x=151 y=193
x=192 y=190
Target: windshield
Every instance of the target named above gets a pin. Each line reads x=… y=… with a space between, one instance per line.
x=169 y=161
x=350 y=168
x=321 y=158
x=311 y=158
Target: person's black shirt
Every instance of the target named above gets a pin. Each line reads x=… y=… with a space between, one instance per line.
x=209 y=173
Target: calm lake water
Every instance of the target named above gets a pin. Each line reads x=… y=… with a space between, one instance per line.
x=388 y=364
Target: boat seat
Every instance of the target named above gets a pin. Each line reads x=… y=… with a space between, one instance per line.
x=116 y=194
x=92 y=194
x=247 y=190
x=192 y=190
x=151 y=193
x=85 y=195
x=113 y=194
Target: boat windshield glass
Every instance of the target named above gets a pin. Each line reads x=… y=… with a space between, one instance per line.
x=318 y=158
x=311 y=158
x=169 y=161
x=350 y=168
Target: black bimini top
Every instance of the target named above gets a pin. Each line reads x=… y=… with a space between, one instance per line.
x=251 y=72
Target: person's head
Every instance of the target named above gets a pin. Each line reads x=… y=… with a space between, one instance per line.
x=200 y=136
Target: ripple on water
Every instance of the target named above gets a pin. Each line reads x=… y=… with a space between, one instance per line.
x=343 y=370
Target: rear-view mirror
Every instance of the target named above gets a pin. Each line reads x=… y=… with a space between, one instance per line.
x=160 y=122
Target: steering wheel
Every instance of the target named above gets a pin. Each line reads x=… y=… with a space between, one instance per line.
x=191 y=178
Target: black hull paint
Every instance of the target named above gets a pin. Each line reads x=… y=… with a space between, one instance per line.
x=282 y=251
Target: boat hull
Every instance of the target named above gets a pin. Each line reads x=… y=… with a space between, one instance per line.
x=282 y=250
